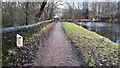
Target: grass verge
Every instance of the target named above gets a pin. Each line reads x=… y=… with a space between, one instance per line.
x=11 y=51
x=96 y=50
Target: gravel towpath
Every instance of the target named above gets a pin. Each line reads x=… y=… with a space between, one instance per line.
x=57 y=51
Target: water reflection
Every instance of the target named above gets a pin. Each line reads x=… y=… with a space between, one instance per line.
x=108 y=30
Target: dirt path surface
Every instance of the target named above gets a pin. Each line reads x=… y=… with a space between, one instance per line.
x=57 y=50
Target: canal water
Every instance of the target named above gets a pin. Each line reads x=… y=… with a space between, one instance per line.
x=108 y=30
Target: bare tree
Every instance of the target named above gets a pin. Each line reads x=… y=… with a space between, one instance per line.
x=118 y=12
x=21 y=13
x=40 y=11
x=85 y=10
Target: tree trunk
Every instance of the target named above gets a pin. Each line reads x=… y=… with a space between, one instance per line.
x=40 y=11
x=26 y=13
x=26 y=19
x=119 y=12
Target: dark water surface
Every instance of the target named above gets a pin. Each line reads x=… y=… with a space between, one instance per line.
x=108 y=30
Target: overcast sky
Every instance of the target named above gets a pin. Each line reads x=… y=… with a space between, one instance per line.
x=63 y=0
x=87 y=0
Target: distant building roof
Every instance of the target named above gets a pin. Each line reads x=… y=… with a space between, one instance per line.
x=56 y=16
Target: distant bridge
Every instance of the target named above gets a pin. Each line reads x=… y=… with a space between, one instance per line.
x=81 y=20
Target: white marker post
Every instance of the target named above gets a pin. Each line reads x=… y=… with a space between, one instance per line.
x=19 y=41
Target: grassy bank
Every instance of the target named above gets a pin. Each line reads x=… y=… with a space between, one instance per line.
x=96 y=49
x=39 y=31
x=13 y=52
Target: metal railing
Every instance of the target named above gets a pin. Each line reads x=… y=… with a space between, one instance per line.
x=9 y=34
x=19 y=28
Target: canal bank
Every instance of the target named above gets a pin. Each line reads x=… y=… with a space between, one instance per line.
x=96 y=50
x=108 y=30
